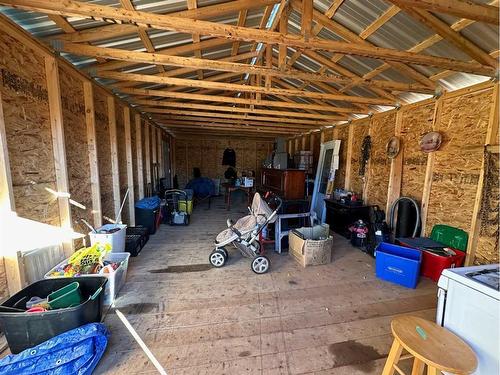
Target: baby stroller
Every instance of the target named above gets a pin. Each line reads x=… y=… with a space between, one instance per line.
x=244 y=235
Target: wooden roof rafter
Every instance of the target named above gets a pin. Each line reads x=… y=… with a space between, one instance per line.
x=166 y=22
x=457 y=26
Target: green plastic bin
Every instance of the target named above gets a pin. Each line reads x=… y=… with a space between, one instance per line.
x=450 y=236
x=67 y=296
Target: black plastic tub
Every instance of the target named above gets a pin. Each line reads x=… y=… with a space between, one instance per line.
x=146 y=218
x=24 y=330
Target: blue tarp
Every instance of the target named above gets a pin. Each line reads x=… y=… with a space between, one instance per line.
x=202 y=187
x=73 y=352
x=151 y=203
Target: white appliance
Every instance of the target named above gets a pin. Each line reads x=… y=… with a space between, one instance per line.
x=469 y=306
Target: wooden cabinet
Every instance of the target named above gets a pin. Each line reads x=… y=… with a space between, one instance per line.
x=287 y=183
x=340 y=216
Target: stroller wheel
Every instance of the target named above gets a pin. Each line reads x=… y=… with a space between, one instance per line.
x=260 y=264
x=217 y=258
x=226 y=254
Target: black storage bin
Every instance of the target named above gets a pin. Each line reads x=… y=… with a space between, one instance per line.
x=24 y=330
x=146 y=218
x=133 y=244
x=142 y=231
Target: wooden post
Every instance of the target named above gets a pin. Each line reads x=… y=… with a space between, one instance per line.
x=57 y=130
x=269 y=64
x=491 y=139
x=130 y=167
x=173 y=159
x=11 y=258
x=297 y=144
x=429 y=170
x=154 y=157
x=147 y=154
x=115 y=171
x=394 y=188
x=311 y=142
x=348 y=161
x=159 y=148
x=304 y=142
x=88 y=93
x=140 y=167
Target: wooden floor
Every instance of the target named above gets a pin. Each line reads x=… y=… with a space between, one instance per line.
x=331 y=319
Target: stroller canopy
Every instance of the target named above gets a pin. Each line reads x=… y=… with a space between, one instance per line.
x=260 y=216
x=73 y=352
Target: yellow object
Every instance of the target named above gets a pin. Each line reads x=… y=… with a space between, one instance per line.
x=430 y=345
x=89 y=255
x=186 y=206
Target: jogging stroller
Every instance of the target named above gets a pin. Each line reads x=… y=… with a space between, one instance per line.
x=244 y=235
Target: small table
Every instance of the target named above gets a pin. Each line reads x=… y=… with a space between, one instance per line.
x=231 y=188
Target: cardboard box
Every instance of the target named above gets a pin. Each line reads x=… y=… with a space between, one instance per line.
x=311 y=246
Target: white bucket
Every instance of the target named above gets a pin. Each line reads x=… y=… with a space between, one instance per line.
x=115 y=239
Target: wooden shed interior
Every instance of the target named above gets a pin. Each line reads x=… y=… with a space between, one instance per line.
x=105 y=101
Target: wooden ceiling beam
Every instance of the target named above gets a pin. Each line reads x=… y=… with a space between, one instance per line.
x=178 y=50
x=143 y=35
x=181 y=71
x=379 y=22
x=355 y=39
x=217 y=108
x=429 y=42
x=185 y=25
x=121 y=29
x=190 y=64
x=203 y=127
x=447 y=33
x=330 y=12
x=217 y=115
x=193 y=4
x=307 y=17
x=232 y=100
x=459 y=8
x=232 y=122
x=131 y=77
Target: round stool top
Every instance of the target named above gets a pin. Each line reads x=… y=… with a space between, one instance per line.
x=434 y=345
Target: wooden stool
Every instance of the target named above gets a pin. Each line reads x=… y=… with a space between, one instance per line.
x=430 y=345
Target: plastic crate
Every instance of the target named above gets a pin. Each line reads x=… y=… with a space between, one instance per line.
x=398 y=264
x=115 y=279
x=25 y=330
x=115 y=239
x=133 y=244
x=433 y=264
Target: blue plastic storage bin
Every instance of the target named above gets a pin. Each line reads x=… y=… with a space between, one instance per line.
x=398 y=264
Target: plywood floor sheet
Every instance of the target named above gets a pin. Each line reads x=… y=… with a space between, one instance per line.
x=331 y=319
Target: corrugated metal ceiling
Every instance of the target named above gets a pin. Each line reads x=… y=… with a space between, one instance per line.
x=400 y=32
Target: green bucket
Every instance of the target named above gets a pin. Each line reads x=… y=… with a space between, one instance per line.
x=67 y=296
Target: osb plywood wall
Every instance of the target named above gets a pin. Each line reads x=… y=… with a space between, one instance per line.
x=104 y=153
x=457 y=165
x=206 y=154
x=26 y=112
x=361 y=129
x=463 y=120
x=77 y=159
x=417 y=120
x=122 y=158
x=487 y=244
x=381 y=130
